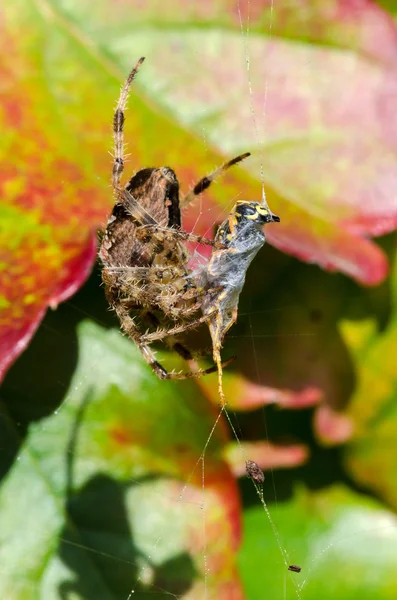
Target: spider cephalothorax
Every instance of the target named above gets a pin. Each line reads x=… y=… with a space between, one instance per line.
x=146 y=270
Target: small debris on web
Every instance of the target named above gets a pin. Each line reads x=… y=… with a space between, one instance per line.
x=295 y=568
x=254 y=471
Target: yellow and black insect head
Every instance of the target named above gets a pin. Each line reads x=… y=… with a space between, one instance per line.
x=254 y=211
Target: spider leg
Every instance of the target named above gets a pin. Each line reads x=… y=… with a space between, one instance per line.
x=171 y=343
x=118 y=123
x=148 y=338
x=193 y=293
x=200 y=292
x=138 y=271
x=190 y=374
x=206 y=181
x=131 y=330
x=184 y=352
x=142 y=273
x=188 y=356
x=164 y=234
x=134 y=209
x=198 y=373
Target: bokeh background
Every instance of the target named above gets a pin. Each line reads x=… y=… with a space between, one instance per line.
x=105 y=492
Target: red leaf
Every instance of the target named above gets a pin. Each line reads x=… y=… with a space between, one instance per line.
x=323 y=85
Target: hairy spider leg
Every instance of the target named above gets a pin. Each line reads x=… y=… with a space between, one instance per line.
x=173 y=344
x=149 y=226
x=184 y=352
x=130 y=329
x=118 y=124
x=148 y=338
x=169 y=233
x=206 y=181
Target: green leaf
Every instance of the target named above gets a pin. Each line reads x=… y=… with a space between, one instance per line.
x=370 y=456
x=107 y=494
x=344 y=543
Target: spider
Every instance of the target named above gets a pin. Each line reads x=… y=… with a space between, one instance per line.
x=145 y=260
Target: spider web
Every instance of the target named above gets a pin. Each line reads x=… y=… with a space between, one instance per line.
x=185 y=500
